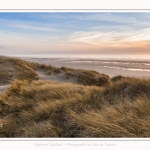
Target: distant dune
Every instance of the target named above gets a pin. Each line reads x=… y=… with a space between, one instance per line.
x=13 y=68
x=39 y=100
x=111 y=67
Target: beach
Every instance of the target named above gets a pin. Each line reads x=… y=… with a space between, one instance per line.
x=111 y=67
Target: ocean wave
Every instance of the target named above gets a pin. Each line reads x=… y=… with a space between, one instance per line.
x=125 y=68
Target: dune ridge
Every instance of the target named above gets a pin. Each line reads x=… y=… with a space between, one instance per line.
x=82 y=103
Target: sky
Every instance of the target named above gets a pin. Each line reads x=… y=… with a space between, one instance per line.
x=73 y=34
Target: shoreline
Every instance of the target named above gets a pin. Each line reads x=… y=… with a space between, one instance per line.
x=110 y=67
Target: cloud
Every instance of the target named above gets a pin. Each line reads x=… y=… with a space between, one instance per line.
x=106 y=17
x=112 y=37
x=71 y=32
x=33 y=27
x=27 y=25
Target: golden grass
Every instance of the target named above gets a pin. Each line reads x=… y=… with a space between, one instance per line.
x=53 y=109
x=84 y=77
x=117 y=78
x=96 y=107
x=49 y=69
x=14 y=68
x=124 y=119
x=26 y=102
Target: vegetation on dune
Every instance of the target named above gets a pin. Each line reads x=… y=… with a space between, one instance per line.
x=15 y=68
x=84 y=77
x=49 y=69
x=54 y=109
x=96 y=106
x=117 y=78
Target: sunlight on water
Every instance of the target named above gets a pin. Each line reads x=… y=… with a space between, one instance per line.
x=110 y=66
x=123 y=68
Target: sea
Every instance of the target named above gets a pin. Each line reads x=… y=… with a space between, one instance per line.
x=137 y=66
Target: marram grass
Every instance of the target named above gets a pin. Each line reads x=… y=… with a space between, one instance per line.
x=37 y=108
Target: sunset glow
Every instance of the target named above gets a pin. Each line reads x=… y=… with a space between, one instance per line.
x=75 y=34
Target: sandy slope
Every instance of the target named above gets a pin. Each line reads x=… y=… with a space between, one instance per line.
x=3 y=88
x=59 y=77
x=100 y=66
x=44 y=76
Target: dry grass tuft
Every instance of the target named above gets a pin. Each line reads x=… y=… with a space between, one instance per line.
x=49 y=69
x=117 y=78
x=53 y=109
x=37 y=108
x=84 y=77
x=14 y=68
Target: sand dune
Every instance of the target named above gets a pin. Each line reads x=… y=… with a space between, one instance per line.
x=132 y=68
x=59 y=77
x=3 y=88
x=98 y=106
x=110 y=67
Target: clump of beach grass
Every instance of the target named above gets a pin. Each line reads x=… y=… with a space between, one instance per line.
x=84 y=77
x=95 y=107
x=54 y=109
x=15 y=68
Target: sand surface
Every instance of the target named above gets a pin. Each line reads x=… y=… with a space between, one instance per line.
x=58 y=77
x=135 y=68
x=3 y=88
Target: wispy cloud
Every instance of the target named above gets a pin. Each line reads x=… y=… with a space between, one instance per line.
x=75 y=31
x=38 y=28
x=111 y=37
x=27 y=26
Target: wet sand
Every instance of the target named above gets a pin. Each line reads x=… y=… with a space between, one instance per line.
x=135 y=68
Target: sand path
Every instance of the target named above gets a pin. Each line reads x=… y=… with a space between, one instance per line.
x=59 y=77
x=44 y=76
x=3 y=88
